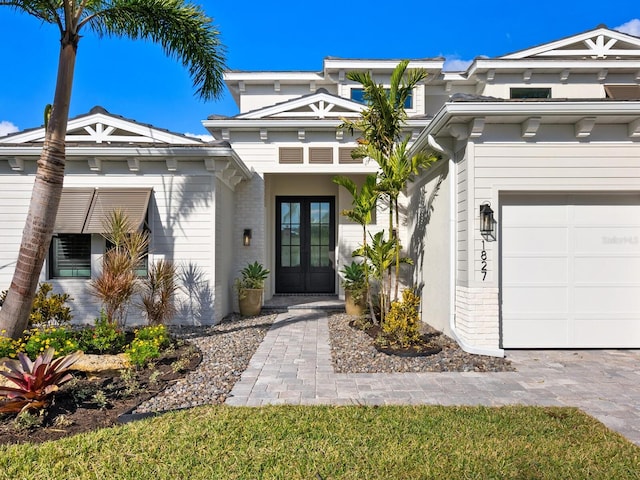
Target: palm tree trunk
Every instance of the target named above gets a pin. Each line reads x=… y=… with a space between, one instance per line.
x=395 y=201
x=366 y=273
x=45 y=197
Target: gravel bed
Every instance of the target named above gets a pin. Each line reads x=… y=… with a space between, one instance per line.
x=352 y=351
x=226 y=350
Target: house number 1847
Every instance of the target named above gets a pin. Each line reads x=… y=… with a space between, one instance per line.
x=483 y=262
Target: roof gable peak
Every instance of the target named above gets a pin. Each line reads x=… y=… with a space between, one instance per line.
x=318 y=105
x=599 y=43
x=100 y=127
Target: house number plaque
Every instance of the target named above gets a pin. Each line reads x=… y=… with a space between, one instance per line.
x=483 y=262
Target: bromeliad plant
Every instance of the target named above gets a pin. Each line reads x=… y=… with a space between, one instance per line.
x=35 y=381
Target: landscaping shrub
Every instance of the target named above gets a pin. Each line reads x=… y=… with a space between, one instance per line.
x=104 y=337
x=49 y=309
x=402 y=324
x=147 y=344
x=7 y=346
x=38 y=340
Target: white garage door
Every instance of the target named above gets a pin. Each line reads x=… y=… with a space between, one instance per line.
x=570 y=271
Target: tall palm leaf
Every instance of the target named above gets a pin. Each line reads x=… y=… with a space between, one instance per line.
x=183 y=31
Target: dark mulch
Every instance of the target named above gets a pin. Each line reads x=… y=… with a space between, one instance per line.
x=425 y=344
x=85 y=404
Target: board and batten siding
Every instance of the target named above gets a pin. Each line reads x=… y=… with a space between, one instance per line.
x=226 y=236
x=180 y=219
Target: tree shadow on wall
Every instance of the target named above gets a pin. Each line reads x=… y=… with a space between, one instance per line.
x=423 y=206
x=197 y=308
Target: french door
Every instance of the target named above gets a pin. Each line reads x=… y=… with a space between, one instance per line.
x=305 y=243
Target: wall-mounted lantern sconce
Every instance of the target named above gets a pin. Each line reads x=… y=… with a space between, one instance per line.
x=487 y=223
x=246 y=237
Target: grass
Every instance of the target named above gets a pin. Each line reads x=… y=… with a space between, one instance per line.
x=338 y=442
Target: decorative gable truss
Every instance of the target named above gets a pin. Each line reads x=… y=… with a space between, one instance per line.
x=600 y=43
x=320 y=105
x=100 y=127
x=99 y=137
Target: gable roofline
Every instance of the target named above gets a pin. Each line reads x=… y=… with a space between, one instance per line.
x=320 y=95
x=100 y=115
x=566 y=41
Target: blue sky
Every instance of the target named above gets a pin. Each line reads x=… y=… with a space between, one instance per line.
x=136 y=80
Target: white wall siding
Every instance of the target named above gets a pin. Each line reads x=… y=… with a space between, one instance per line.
x=429 y=246
x=180 y=218
x=226 y=239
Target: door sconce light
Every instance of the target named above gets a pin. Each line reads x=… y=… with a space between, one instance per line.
x=487 y=223
x=246 y=237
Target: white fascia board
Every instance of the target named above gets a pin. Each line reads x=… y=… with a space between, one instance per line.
x=363 y=64
x=252 y=124
x=480 y=65
x=259 y=77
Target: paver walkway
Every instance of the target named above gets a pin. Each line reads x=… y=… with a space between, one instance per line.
x=293 y=366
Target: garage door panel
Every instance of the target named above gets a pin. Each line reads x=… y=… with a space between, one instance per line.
x=528 y=215
x=593 y=332
x=614 y=214
x=606 y=270
x=547 y=299
x=539 y=269
x=539 y=241
x=609 y=299
x=547 y=333
x=575 y=283
x=610 y=240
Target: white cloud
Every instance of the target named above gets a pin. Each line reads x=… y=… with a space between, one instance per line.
x=204 y=137
x=632 y=27
x=7 y=127
x=456 y=65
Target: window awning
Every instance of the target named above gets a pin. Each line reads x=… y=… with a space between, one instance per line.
x=623 y=92
x=85 y=210
x=73 y=209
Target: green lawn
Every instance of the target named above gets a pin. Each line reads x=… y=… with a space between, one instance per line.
x=338 y=442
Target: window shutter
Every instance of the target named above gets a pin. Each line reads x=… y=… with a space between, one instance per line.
x=344 y=155
x=321 y=155
x=290 y=155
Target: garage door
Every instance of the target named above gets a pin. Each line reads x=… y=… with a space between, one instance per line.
x=570 y=271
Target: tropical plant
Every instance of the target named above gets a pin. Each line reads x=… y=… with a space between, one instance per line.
x=118 y=281
x=396 y=170
x=104 y=337
x=147 y=345
x=158 y=292
x=401 y=325
x=48 y=308
x=252 y=277
x=35 y=381
x=183 y=31
x=380 y=253
x=381 y=125
x=355 y=281
x=363 y=204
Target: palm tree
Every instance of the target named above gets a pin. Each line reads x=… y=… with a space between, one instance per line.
x=381 y=125
x=364 y=202
x=396 y=170
x=183 y=31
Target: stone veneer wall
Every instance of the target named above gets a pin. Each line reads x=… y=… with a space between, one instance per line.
x=478 y=316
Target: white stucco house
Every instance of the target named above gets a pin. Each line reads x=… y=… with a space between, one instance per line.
x=545 y=138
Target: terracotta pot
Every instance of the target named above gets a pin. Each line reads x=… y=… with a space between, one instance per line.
x=250 y=302
x=351 y=307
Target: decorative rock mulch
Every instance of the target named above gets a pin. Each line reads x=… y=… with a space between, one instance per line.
x=352 y=351
x=226 y=350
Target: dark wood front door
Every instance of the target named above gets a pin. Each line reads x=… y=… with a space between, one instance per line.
x=305 y=242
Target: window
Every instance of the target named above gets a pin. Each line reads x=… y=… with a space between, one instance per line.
x=142 y=269
x=531 y=93
x=70 y=256
x=357 y=95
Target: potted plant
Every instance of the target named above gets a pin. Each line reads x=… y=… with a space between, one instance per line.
x=250 y=288
x=355 y=288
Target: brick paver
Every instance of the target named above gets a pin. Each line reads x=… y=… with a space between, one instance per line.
x=293 y=366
